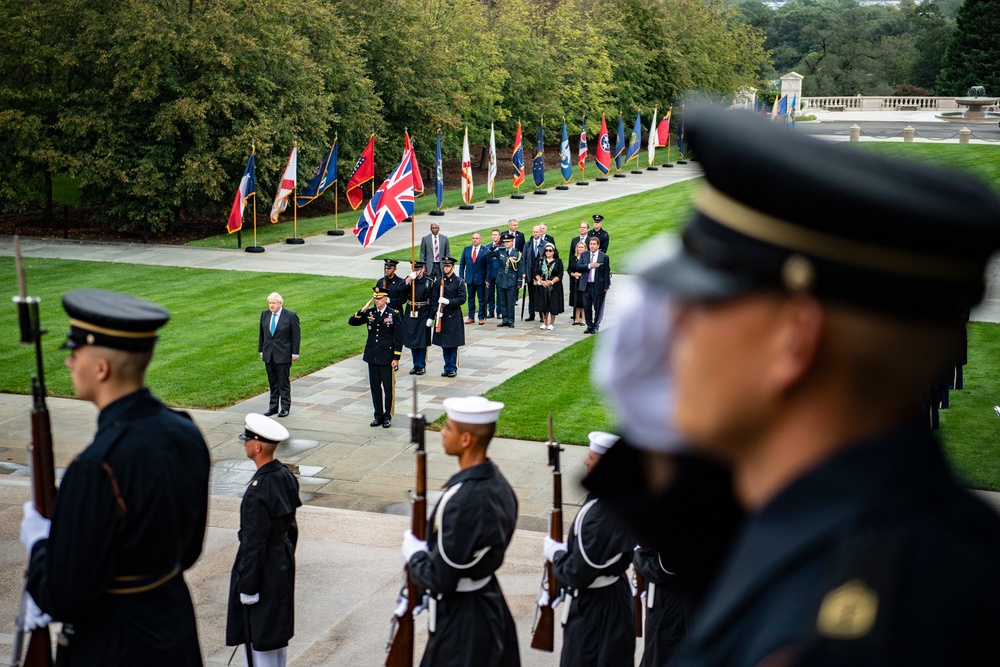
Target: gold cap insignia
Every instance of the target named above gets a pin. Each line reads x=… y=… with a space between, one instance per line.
x=848 y=612
x=798 y=274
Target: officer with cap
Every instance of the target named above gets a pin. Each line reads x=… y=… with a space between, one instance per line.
x=129 y=516
x=262 y=584
x=600 y=233
x=392 y=284
x=382 y=351
x=448 y=295
x=811 y=313
x=416 y=334
x=508 y=278
x=598 y=617
x=467 y=538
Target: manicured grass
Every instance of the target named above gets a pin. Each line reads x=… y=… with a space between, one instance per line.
x=630 y=221
x=207 y=353
x=982 y=160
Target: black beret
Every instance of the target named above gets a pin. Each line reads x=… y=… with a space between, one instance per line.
x=109 y=319
x=786 y=211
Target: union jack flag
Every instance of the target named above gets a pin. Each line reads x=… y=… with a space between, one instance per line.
x=391 y=204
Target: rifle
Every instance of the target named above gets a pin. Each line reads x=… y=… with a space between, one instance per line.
x=439 y=316
x=43 y=479
x=400 y=646
x=637 y=602
x=543 y=635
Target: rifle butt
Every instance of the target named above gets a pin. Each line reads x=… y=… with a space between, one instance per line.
x=544 y=637
x=39 y=649
x=401 y=650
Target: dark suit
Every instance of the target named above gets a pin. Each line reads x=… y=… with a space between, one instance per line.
x=427 y=253
x=571 y=248
x=594 y=284
x=474 y=275
x=530 y=259
x=384 y=345
x=602 y=236
x=277 y=350
x=518 y=241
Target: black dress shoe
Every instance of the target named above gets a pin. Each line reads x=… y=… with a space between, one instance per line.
x=283 y=413
x=376 y=422
x=530 y=319
x=450 y=374
x=387 y=423
x=445 y=374
x=588 y=330
x=501 y=324
x=270 y=412
x=420 y=371
x=413 y=371
x=510 y=324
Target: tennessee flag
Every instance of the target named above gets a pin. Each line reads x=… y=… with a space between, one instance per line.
x=364 y=171
x=247 y=189
x=418 y=180
x=517 y=158
x=602 y=154
x=287 y=185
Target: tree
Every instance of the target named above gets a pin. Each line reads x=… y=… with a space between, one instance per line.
x=973 y=54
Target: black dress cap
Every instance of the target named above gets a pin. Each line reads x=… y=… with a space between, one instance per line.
x=390 y=263
x=598 y=218
x=448 y=261
x=785 y=211
x=506 y=236
x=109 y=319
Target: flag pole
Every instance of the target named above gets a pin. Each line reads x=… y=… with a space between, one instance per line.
x=254 y=248
x=336 y=195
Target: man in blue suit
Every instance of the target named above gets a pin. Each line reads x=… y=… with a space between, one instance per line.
x=472 y=269
x=278 y=345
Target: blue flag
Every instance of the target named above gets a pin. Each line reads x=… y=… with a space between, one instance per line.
x=619 y=143
x=634 y=143
x=538 y=166
x=680 y=135
x=438 y=174
x=783 y=106
x=565 y=161
x=325 y=176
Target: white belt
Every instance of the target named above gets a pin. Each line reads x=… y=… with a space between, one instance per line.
x=601 y=582
x=466 y=585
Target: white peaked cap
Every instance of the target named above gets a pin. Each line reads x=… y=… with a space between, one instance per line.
x=600 y=442
x=264 y=428
x=473 y=410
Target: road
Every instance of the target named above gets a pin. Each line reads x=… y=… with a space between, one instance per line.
x=894 y=128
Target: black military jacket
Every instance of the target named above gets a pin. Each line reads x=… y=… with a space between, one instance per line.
x=396 y=288
x=602 y=236
x=385 y=334
x=416 y=333
x=452 y=332
x=508 y=274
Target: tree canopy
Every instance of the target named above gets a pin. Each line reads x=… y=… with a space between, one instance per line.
x=973 y=56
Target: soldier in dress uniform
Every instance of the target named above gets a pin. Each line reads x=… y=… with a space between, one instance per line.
x=811 y=313
x=129 y=516
x=472 y=525
x=262 y=584
x=508 y=279
x=382 y=352
x=416 y=333
x=598 y=617
x=600 y=233
x=392 y=284
x=452 y=334
x=665 y=600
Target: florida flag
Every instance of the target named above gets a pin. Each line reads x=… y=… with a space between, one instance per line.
x=287 y=185
x=247 y=189
x=391 y=204
x=582 y=159
x=602 y=154
x=466 y=170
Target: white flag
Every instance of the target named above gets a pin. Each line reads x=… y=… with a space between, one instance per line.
x=287 y=185
x=651 y=145
x=492 y=173
x=466 y=169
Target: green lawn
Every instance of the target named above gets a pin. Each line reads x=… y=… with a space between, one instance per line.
x=207 y=354
x=983 y=160
x=630 y=220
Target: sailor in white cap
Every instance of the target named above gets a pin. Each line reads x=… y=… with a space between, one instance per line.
x=262 y=585
x=472 y=526
x=598 y=619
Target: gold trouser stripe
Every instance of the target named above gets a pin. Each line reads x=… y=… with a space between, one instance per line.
x=392 y=392
x=111 y=332
x=147 y=587
x=761 y=226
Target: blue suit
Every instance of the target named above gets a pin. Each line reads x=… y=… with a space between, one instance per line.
x=474 y=275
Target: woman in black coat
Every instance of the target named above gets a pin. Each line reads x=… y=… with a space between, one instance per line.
x=575 y=298
x=548 y=281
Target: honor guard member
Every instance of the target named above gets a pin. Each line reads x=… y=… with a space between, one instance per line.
x=811 y=315
x=392 y=284
x=471 y=528
x=262 y=584
x=666 y=608
x=600 y=233
x=452 y=334
x=382 y=352
x=416 y=333
x=598 y=617
x=129 y=516
x=508 y=279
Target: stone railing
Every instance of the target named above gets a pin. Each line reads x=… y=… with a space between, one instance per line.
x=878 y=103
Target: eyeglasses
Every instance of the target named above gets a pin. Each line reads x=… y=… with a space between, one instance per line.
x=549 y=250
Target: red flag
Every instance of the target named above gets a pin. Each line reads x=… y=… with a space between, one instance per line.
x=663 y=130
x=418 y=180
x=364 y=171
x=602 y=153
x=286 y=186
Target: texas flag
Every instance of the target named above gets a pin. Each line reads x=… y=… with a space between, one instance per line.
x=247 y=189
x=391 y=204
x=287 y=185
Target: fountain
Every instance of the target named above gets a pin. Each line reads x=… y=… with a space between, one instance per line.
x=975 y=108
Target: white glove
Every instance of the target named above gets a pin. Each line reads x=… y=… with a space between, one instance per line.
x=429 y=322
x=413 y=275
x=543 y=598
x=249 y=599
x=34 y=617
x=552 y=548
x=445 y=300
x=34 y=526
x=412 y=545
